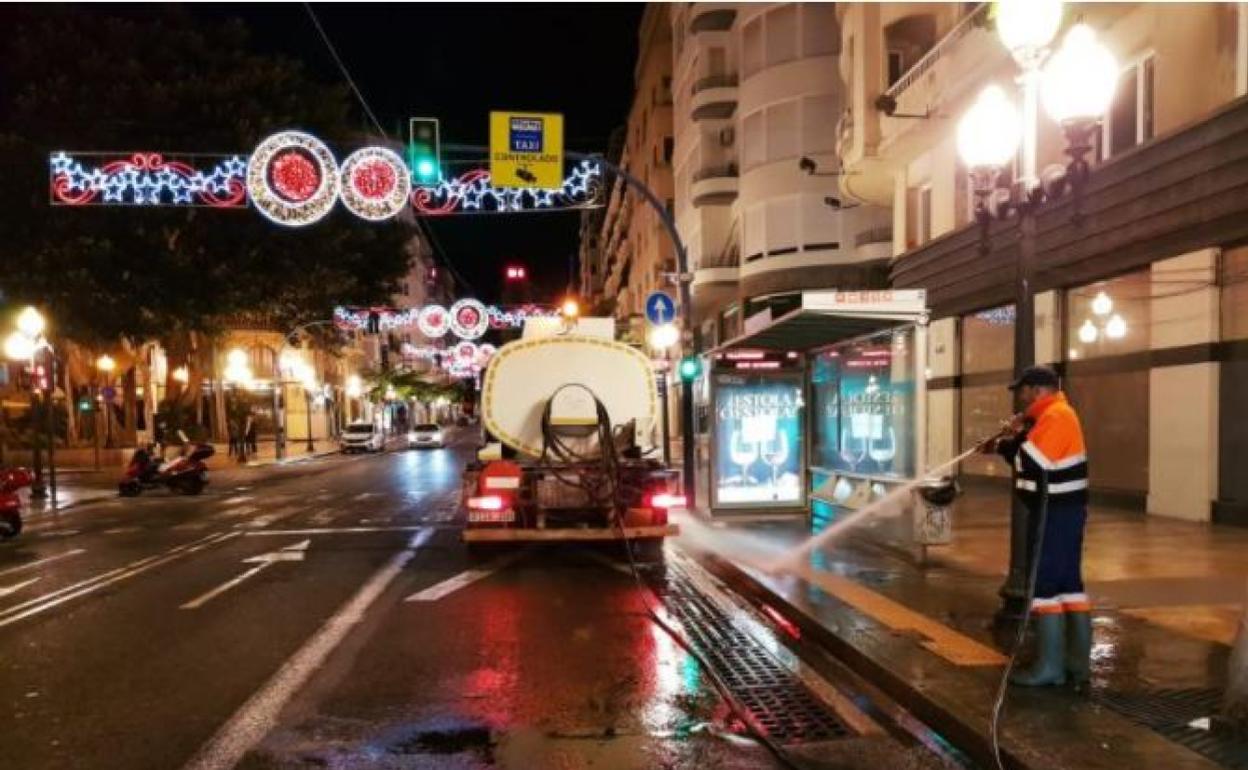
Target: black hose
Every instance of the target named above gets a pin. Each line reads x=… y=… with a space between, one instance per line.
x=1033 y=568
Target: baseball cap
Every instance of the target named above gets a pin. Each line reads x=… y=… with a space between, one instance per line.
x=1042 y=376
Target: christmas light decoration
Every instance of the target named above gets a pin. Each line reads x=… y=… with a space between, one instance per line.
x=375 y=183
x=433 y=321
x=293 y=178
x=473 y=192
x=147 y=179
x=469 y=319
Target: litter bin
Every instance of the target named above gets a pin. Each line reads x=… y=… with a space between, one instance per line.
x=932 y=512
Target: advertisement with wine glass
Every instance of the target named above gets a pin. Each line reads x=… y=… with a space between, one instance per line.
x=758 y=440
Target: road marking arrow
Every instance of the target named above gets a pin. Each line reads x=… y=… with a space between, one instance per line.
x=293 y=552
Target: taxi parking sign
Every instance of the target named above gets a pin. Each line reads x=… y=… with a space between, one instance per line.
x=526 y=149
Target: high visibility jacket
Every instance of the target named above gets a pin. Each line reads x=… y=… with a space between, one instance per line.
x=1050 y=457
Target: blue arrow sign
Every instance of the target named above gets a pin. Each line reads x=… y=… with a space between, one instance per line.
x=660 y=308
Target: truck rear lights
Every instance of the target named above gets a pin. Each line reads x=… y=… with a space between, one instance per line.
x=486 y=503
x=665 y=500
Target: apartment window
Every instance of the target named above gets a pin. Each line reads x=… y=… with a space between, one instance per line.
x=754 y=142
x=896 y=66
x=752 y=47
x=669 y=148
x=717 y=62
x=1130 y=118
x=819 y=124
x=781 y=35
x=782 y=131
x=820 y=35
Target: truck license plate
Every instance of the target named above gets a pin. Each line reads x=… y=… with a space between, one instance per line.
x=491 y=517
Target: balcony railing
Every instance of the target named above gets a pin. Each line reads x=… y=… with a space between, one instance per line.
x=922 y=66
x=714 y=81
x=874 y=235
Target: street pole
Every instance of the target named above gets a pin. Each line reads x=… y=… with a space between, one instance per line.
x=95 y=422
x=667 y=444
x=49 y=406
x=38 y=488
x=307 y=395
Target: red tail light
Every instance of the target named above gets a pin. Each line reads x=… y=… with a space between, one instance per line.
x=487 y=503
x=666 y=500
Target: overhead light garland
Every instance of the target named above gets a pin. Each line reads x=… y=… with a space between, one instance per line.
x=375 y=183
x=293 y=178
x=467 y=318
x=146 y=179
x=473 y=192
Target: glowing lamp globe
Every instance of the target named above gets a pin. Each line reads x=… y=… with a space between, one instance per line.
x=236 y=359
x=1116 y=329
x=1102 y=304
x=30 y=322
x=105 y=363
x=1087 y=333
x=663 y=336
x=1028 y=26
x=1079 y=80
x=990 y=131
x=18 y=347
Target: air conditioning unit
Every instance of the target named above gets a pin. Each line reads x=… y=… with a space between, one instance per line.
x=727 y=136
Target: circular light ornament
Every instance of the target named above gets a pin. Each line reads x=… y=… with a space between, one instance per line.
x=292 y=178
x=433 y=321
x=375 y=183
x=1079 y=79
x=990 y=131
x=469 y=319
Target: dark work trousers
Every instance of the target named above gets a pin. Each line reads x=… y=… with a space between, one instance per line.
x=1061 y=557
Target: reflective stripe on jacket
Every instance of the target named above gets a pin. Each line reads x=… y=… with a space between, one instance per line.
x=1051 y=452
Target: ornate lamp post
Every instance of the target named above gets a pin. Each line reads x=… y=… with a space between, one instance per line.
x=24 y=345
x=1077 y=86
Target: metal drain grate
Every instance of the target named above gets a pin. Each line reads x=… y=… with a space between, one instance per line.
x=770 y=696
x=1170 y=712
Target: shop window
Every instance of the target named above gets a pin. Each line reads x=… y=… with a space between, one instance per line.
x=1234 y=280
x=1109 y=317
x=987 y=363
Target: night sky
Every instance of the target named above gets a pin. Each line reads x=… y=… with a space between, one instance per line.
x=456 y=63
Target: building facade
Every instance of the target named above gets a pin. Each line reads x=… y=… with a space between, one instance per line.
x=757 y=94
x=1138 y=276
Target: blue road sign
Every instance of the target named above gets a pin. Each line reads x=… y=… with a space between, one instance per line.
x=660 y=308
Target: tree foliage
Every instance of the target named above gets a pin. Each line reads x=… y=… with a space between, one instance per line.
x=79 y=79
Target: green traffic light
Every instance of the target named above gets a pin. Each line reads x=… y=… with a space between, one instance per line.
x=426 y=170
x=690 y=368
x=84 y=405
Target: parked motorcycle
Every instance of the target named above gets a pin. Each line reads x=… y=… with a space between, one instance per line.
x=186 y=473
x=10 y=502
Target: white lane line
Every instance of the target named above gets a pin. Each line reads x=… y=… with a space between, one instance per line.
x=462 y=580
x=84 y=587
x=258 y=715
x=39 y=562
x=6 y=590
x=293 y=552
x=191 y=525
x=59 y=532
x=330 y=531
x=237 y=499
x=364 y=495
x=122 y=530
x=242 y=510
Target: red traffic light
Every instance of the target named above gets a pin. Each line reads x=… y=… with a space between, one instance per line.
x=516 y=273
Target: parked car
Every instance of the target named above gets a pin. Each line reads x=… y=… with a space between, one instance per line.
x=426 y=435
x=362 y=437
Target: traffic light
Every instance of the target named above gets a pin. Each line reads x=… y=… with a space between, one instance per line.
x=690 y=368
x=84 y=404
x=516 y=273
x=424 y=151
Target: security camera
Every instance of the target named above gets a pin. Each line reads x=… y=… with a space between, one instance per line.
x=808 y=165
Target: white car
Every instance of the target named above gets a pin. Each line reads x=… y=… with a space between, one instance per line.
x=362 y=437
x=426 y=435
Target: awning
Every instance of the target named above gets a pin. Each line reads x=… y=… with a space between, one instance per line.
x=829 y=317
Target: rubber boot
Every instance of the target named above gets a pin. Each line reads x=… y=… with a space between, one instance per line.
x=1049 y=666
x=1079 y=647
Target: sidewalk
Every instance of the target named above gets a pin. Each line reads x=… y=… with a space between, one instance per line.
x=1167 y=596
x=76 y=486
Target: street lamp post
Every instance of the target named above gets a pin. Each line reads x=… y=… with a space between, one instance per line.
x=1076 y=86
x=238 y=373
x=105 y=364
x=24 y=345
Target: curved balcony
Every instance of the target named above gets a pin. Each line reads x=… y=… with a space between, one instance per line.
x=714 y=97
x=712 y=17
x=715 y=186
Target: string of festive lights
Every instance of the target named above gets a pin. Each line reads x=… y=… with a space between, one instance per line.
x=473 y=192
x=467 y=318
x=146 y=179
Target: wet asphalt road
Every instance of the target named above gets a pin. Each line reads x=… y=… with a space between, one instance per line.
x=325 y=618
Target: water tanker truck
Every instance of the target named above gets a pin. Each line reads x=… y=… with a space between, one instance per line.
x=570 y=455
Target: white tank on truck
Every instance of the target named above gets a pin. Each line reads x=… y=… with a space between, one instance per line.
x=570 y=415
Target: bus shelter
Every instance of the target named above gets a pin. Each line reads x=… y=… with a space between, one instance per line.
x=819 y=411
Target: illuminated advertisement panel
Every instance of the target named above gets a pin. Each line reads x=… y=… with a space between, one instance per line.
x=758 y=439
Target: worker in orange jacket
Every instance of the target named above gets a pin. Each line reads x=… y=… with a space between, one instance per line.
x=1045 y=446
